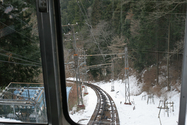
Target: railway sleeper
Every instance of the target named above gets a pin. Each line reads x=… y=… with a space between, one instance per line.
x=106 y=109
x=107 y=115
x=104 y=117
x=103 y=97
x=100 y=112
x=98 y=118
x=105 y=122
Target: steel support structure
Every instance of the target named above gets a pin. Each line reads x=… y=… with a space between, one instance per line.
x=127 y=88
x=76 y=59
x=183 y=95
x=85 y=77
x=51 y=48
x=112 y=81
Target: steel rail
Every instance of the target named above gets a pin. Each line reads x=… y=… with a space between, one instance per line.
x=104 y=102
x=113 y=112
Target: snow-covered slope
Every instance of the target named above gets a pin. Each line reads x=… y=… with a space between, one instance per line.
x=139 y=113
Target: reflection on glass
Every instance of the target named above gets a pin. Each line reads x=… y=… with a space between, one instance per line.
x=24 y=102
x=131 y=49
x=22 y=97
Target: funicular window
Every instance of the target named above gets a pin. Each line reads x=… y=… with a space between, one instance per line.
x=133 y=50
x=130 y=51
x=24 y=102
x=22 y=97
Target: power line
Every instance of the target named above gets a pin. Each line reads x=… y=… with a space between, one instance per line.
x=20 y=55
x=161 y=1
x=163 y=52
x=90 y=27
x=105 y=39
x=103 y=54
x=21 y=21
x=18 y=58
x=150 y=12
x=91 y=66
x=17 y=18
x=17 y=31
x=19 y=63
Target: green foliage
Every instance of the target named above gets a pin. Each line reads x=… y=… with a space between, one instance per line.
x=154 y=29
x=145 y=26
x=96 y=12
x=19 y=51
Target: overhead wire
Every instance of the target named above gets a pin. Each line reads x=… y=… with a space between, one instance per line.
x=35 y=63
x=86 y=18
x=105 y=39
x=27 y=25
x=17 y=18
x=17 y=31
x=14 y=53
x=20 y=63
x=19 y=59
x=20 y=34
x=134 y=50
x=90 y=23
x=90 y=26
x=21 y=56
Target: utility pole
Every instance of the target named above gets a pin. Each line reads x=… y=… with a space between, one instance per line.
x=157 y=56
x=112 y=81
x=127 y=88
x=113 y=14
x=121 y=19
x=76 y=60
x=168 y=59
x=85 y=89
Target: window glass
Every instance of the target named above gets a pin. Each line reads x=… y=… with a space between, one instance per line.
x=133 y=50
x=22 y=97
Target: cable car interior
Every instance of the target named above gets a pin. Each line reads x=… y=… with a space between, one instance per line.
x=95 y=62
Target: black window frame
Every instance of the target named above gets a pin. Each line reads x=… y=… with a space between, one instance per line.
x=49 y=28
x=50 y=33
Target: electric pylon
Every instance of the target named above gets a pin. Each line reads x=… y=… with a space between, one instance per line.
x=76 y=60
x=127 y=88
x=112 y=81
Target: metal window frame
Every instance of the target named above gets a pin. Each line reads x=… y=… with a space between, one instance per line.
x=49 y=25
x=55 y=63
x=51 y=47
x=50 y=32
x=183 y=95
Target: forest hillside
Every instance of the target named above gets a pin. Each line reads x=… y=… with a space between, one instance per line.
x=153 y=32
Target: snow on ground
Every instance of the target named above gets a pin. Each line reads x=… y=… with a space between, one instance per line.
x=139 y=113
x=83 y=116
x=8 y=120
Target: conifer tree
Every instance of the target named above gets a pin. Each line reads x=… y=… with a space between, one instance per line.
x=19 y=50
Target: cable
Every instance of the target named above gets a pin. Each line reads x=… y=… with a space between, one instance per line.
x=161 y=1
x=17 y=18
x=27 y=25
x=18 y=58
x=102 y=29
x=90 y=26
x=17 y=32
x=21 y=56
x=163 y=52
x=19 y=63
x=20 y=34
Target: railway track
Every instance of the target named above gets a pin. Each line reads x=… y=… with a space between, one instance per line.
x=105 y=112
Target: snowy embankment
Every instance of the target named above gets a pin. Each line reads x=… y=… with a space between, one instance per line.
x=8 y=120
x=139 y=113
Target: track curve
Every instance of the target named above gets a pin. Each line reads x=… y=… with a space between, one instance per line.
x=105 y=111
